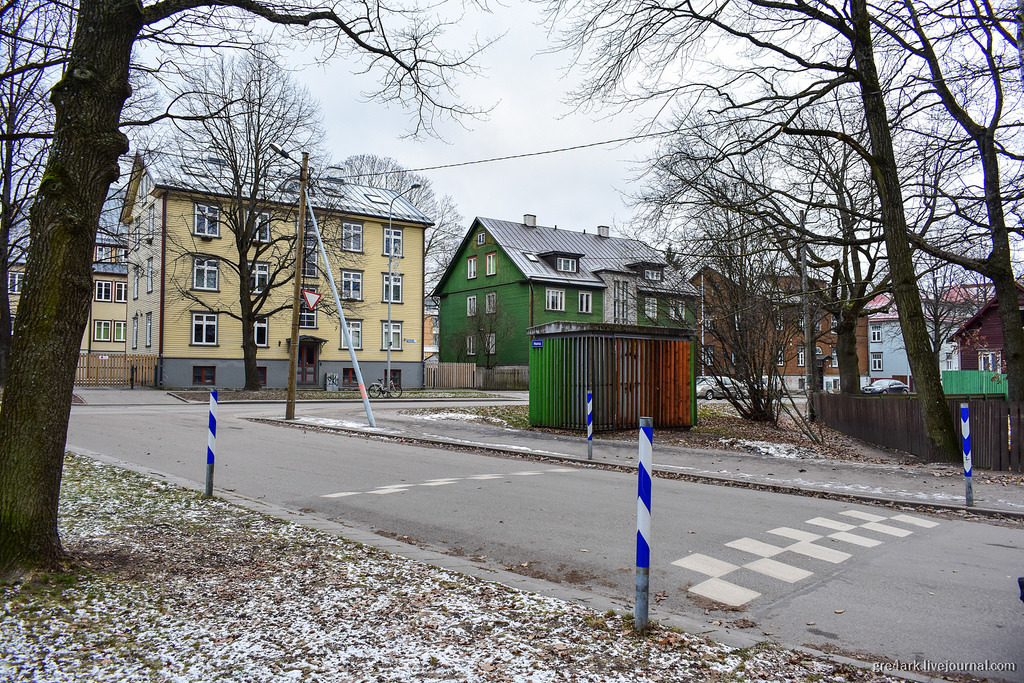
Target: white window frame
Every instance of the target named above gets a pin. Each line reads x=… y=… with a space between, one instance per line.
x=875 y=333
x=264 y=325
x=352 y=236
x=149 y=329
x=103 y=253
x=651 y=307
x=481 y=238
x=471 y=305
x=564 y=264
x=471 y=268
x=491 y=303
x=554 y=299
x=652 y=274
x=490 y=344
x=97 y=326
x=120 y=331
x=203 y=268
x=352 y=285
x=151 y=228
x=259 y=276
x=261 y=228
x=586 y=302
x=135 y=332
x=877 y=364
x=307 y=318
x=989 y=360
x=310 y=258
x=207 y=220
x=120 y=292
x=15 y=281
x=801 y=356
x=396 y=327
x=204 y=322
x=137 y=275
x=491 y=262
x=355 y=333
x=393 y=239
x=470 y=345
x=390 y=285
x=149 y=275
x=104 y=290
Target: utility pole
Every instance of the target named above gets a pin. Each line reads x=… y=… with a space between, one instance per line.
x=300 y=245
x=810 y=356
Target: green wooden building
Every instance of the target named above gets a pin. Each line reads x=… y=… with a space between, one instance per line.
x=508 y=276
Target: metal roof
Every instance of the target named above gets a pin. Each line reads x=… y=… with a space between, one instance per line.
x=524 y=244
x=211 y=176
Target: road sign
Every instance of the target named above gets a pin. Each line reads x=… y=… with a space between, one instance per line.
x=537 y=343
x=312 y=298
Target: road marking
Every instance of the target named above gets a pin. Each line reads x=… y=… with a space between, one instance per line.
x=862 y=541
x=885 y=529
x=724 y=592
x=916 y=521
x=401 y=488
x=342 y=494
x=795 y=534
x=525 y=474
x=819 y=553
x=385 y=490
x=706 y=565
x=439 y=482
x=866 y=516
x=778 y=570
x=482 y=477
x=831 y=524
x=754 y=547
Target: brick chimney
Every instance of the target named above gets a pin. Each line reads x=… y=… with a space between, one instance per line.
x=602 y=231
x=529 y=220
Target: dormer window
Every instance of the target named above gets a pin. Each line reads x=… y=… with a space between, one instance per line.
x=652 y=274
x=566 y=265
x=481 y=238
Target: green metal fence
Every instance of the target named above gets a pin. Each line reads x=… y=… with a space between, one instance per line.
x=973 y=383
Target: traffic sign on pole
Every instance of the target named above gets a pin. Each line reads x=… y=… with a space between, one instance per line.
x=312 y=298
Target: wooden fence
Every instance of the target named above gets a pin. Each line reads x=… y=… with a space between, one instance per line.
x=115 y=369
x=997 y=426
x=508 y=378
x=449 y=375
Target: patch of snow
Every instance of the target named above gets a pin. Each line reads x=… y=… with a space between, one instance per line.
x=772 y=450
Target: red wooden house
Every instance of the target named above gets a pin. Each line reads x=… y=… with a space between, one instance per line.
x=980 y=340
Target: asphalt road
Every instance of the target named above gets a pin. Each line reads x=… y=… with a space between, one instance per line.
x=865 y=579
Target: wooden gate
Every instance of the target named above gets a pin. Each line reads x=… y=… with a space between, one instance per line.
x=115 y=369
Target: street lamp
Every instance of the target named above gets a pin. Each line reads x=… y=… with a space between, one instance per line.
x=300 y=243
x=391 y=279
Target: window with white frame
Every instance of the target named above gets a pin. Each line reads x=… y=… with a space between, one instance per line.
x=149 y=329
x=708 y=353
x=876 y=361
x=205 y=273
x=395 y=336
x=15 y=282
x=207 y=220
x=120 y=328
x=651 y=308
x=990 y=361
x=491 y=261
x=565 y=265
x=652 y=274
x=780 y=359
x=471 y=267
x=491 y=302
x=471 y=345
x=121 y=292
x=204 y=329
x=471 y=305
x=392 y=242
x=800 y=356
x=307 y=318
x=950 y=361
x=310 y=258
x=355 y=333
x=103 y=253
x=136 y=276
x=259 y=276
x=352 y=236
x=876 y=333
x=490 y=344
x=149 y=275
x=101 y=330
x=481 y=238
x=392 y=288
x=586 y=302
x=261 y=227
x=151 y=227
x=104 y=290
x=352 y=285
x=135 y=332
x=554 y=299
x=261 y=332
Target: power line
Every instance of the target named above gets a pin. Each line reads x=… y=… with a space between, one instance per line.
x=525 y=154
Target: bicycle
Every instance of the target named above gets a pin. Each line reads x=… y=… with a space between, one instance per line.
x=378 y=390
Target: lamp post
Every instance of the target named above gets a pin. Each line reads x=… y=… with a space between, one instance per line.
x=391 y=279
x=300 y=243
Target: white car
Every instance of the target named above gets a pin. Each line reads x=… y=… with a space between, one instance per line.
x=719 y=387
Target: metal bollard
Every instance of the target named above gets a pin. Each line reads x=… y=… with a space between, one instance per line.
x=965 y=431
x=211 y=443
x=590 y=425
x=643 y=524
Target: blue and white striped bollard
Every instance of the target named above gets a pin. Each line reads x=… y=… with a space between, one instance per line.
x=643 y=524
x=211 y=444
x=590 y=425
x=965 y=431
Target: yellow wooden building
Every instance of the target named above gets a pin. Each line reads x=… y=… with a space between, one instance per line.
x=183 y=280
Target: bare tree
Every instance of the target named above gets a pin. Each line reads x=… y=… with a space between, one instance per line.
x=398 y=45
x=443 y=237
x=795 y=56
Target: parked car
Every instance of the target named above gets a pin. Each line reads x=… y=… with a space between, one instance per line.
x=719 y=387
x=886 y=386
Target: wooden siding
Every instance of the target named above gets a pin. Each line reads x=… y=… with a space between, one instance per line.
x=99 y=369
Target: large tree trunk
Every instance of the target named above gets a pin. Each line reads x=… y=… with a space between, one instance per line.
x=54 y=305
x=938 y=422
x=846 y=356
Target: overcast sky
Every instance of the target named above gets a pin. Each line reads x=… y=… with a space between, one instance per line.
x=574 y=190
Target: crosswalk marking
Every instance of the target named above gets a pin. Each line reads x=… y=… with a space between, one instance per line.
x=818 y=552
x=755 y=547
x=866 y=516
x=885 y=529
x=385 y=490
x=916 y=521
x=445 y=481
x=706 y=565
x=831 y=524
x=778 y=570
x=795 y=534
x=724 y=592
x=439 y=482
x=484 y=477
x=862 y=541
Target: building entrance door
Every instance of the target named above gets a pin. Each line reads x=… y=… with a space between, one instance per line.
x=306 y=372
